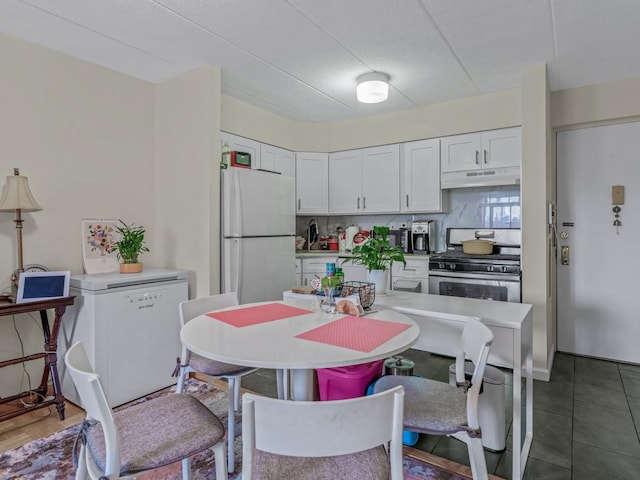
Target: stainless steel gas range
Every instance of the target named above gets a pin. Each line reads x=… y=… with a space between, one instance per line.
x=495 y=276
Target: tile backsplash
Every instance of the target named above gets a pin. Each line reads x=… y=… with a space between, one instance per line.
x=497 y=207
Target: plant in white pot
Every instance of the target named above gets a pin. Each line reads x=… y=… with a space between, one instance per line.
x=129 y=247
x=377 y=255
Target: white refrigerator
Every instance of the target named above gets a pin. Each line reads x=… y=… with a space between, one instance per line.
x=258 y=234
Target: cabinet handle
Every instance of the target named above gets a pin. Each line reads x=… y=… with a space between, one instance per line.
x=407 y=201
x=477 y=162
x=485 y=157
x=364 y=203
x=298 y=204
x=358 y=203
x=409 y=269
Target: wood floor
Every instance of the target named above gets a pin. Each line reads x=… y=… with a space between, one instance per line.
x=35 y=424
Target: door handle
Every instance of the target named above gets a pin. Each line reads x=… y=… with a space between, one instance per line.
x=364 y=203
x=564 y=255
x=298 y=204
x=358 y=203
x=407 y=201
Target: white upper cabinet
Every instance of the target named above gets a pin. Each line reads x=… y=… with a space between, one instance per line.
x=278 y=160
x=475 y=151
x=312 y=183
x=420 y=177
x=365 y=181
x=241 y=144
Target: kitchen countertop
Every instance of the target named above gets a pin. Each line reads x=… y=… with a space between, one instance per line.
x=335 y=253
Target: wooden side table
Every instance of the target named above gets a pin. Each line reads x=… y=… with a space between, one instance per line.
x=50 y=354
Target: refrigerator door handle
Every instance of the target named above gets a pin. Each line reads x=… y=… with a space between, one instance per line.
x=239 y=276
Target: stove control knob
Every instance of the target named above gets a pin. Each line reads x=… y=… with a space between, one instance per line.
x=504 y=269
x=441 y=265
x=452 y=266
x=490 y=268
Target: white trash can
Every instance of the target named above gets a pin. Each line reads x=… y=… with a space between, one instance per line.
x=490 y=405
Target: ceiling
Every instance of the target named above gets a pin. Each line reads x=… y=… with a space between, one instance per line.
x=300 y=58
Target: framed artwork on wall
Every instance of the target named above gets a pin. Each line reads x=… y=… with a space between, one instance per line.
x=99 y=236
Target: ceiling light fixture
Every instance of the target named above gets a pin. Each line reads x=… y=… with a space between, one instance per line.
x=373 y=87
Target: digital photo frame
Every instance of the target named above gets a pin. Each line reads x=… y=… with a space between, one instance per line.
x=38 y=286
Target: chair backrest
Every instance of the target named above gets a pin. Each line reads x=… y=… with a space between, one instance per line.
x=192 y=308
x=94 y=402
x=323 y=429
x=474 y=345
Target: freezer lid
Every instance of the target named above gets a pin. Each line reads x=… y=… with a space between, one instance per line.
x=107 y=281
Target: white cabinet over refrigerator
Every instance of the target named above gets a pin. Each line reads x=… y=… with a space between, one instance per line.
x=258 y=234
x=130 y=328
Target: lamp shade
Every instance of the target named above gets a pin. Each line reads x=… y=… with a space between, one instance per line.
x=373 y=87
x=17 y=195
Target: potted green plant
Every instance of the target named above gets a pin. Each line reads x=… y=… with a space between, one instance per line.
x=377 y=255
x=129 y=247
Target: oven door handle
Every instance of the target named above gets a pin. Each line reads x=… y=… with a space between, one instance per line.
x=499 y=277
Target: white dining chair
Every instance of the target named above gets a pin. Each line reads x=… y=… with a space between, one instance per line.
x=192 y=362
x=437 y=408
x=339 y=439
x=141 y=437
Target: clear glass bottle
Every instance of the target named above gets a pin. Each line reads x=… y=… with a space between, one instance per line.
x=328 y=303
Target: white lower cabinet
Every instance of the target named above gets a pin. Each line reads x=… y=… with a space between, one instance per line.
x=405 y=277
x=299 y=272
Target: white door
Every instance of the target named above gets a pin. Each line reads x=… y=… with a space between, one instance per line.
x=460 y=152
x=259 y=269
x=502 y=148
x=345 y=182
x=381 y=179
x=312 y=183
x=257 y=203
x=420 y=171
x=597 y=290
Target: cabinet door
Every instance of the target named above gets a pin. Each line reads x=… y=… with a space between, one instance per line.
x=345 y=182
x=312 y=183
x=241 y=144
x=420 y=170
x=502 y=148
x=461 y=152
x=381 y=179
x=354 y=273
x=277 y=160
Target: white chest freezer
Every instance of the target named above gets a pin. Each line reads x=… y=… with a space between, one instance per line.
x=129 y=325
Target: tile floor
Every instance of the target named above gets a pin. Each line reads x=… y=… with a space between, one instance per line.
x=586 y=419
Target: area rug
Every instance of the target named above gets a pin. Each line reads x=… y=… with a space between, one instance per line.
x=49 y=458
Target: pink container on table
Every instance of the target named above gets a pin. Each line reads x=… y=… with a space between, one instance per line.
x=340 y=383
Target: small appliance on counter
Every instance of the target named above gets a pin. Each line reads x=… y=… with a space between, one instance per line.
x=240 y=159
x=423 y=237
x=350 y=233
x=312 y=234
x=406 y=240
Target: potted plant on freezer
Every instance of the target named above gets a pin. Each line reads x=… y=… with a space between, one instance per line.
x=377 y=255
x=129 y=247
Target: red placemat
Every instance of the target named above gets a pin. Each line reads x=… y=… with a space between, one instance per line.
x=244 y=317
x=357 y=333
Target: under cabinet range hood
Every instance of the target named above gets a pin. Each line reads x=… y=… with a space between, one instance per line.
x=481 y=178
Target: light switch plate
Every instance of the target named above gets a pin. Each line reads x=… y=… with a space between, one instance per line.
x=617 y=195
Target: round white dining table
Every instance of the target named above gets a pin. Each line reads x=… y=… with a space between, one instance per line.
x=274 y=344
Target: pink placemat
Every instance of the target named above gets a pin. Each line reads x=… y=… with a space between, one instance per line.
x=244 y=317
x=357 y=333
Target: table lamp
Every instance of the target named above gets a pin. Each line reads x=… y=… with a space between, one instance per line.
x=17 y=197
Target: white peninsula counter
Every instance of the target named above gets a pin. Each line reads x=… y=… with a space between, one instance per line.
x=441 y=319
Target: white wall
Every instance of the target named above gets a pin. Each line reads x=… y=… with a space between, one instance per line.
x=83 y=135
x=187 y=186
